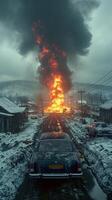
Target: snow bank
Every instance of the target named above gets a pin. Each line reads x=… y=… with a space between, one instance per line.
x=77 y=130
x=15 y=151
x=99 y=155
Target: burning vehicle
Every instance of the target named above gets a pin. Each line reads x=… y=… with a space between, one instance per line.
x=56 y=157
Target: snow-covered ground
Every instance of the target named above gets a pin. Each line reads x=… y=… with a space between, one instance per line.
x=15 y=151
x=77 y=130
x=98 y=153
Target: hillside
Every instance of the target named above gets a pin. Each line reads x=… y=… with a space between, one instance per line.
x=31 y=88
x=19 y=88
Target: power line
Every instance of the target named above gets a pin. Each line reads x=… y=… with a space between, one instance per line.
x=104 y=79
x=107 y=81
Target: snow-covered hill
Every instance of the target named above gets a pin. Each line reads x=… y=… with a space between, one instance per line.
x=31 y=88
x=19 y=88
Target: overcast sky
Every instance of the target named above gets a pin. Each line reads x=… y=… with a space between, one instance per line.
x=89 y=68
x=99 y=60
x=13 y=65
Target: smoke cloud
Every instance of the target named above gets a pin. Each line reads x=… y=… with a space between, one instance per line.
x=62 y=24
x=63 y=21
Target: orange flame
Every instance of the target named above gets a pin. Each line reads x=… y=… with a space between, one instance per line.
x=50 y=56
x=57 y=97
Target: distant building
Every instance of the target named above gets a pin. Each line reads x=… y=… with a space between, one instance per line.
x=12 y=117
x=106 y=112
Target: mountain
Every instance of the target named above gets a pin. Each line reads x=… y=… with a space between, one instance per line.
x=19 y=88
x=31 y=88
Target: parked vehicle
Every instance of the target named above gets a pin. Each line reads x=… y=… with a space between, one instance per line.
x=55 y=159
x=100 y=129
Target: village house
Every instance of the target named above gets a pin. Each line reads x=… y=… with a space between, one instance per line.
x=106 y=112
x=12 y=117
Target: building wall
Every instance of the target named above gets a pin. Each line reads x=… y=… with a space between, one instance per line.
x=3 y=110
x=5 y=123
x=106 y=115
x=12 y=123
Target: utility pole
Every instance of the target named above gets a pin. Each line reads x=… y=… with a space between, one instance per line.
x=81 y=92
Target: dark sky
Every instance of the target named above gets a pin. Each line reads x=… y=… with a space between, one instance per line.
x=17 y=57
x=63 y=22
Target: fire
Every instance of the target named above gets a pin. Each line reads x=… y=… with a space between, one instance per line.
x=57 y=97
x=51 y=57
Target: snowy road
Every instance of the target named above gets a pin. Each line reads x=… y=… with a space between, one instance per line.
x=87 y=189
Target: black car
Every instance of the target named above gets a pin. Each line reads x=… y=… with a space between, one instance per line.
x=55 y=158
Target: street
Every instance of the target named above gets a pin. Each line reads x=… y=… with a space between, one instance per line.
x=85 y=188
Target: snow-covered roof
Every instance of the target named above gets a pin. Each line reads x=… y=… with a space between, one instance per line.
x=107 y=105
x=10 y=106
x=6 y=114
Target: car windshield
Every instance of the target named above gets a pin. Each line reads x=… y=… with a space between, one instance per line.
x=55 y=146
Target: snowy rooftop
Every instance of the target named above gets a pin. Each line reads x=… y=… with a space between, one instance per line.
x=10 y=106
x=6 y=114
x=107 y=105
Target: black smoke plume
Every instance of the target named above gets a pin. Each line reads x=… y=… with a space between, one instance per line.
x=63 y=21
